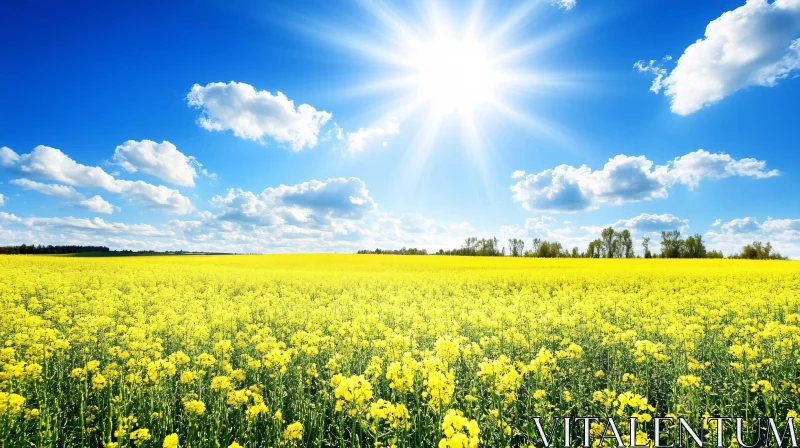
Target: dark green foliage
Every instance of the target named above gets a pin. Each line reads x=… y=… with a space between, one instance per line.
x=24 y=249
x=759 y=251
x=402 y=251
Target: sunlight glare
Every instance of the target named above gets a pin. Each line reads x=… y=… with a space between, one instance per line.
x=453 y=75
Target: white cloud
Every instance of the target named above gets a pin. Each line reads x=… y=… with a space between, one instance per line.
x=518 y=174
x=784 y=234
x=307 y=203
x=547 y=228
x=8 y=157
x=332 y=215
x=624 y=178
x=355 y=142
x=9 y=218
x=779 y=225
x=741 y=225
x=55 y=190
x=162 y=160
x=339 y=231
x=693 y=167
x=753 y=45
x=716 y=223
x=2 y=200
x=254 y=114
x=50 y=163
x=654 y=68
x=652 y=223
x=93 y=225
x=96 y=203
x=564 y=4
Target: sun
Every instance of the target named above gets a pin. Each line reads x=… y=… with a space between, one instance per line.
x=453 y=75
x=469 y=68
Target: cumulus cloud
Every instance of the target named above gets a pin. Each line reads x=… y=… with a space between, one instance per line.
x=162 y=160
x=355 y=142
x=94 y=224
x=564 y=4
x=741 y=225
x=6 y=218
x=731 y=236
x=693 y=167
x=655 y=68
x=332 y=215
x=52 y=164
x=518 y=174
x=755 y=44
x=90 y=227
x=550 y=229
x=624 y=179
x=308 y=202
x=255 y=114
x=2 y=200
x=55 y=190
x=96 y=203
x=8 y=157
x=652 y=223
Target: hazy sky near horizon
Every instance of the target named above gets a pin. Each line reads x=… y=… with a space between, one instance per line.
x=318 y=126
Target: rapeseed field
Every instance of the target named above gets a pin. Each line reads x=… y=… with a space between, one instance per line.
x=385 y=351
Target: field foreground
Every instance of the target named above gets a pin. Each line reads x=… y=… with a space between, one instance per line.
x=359 y=350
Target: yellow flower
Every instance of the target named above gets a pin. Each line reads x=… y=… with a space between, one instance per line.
x=91 y=366
x=140 y=436
x=293 y=432
x=255 y=410
x=351 y=392
x=689 y=381
x=170 y=441
x=11 y=403
x=99 y=381
x=205 y=360
x=194 y=407
x=221 y=383
x=459 y=431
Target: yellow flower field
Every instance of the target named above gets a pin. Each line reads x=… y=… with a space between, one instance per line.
x=360 y=350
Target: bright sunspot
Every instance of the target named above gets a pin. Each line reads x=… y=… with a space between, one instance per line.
x=453 y=75
x=464 y=66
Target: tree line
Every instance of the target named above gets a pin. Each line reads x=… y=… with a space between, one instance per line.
x=24 y=249
x=611 y=244
x=759 y=251
x=402 y=251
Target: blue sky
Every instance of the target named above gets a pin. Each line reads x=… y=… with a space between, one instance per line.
x=139 y=125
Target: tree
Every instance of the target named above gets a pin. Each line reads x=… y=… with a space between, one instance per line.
x=714 y=254
x=693 y=247
x=759 y=251
x=671 y=244
x=516 y=247
x=595 y=249
x=609 y=242
x=549 y=249
x=625 y=243
x=535 y=245
x=646 y=245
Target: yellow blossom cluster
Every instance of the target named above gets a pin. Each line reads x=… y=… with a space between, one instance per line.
x=385 y=351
